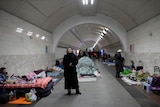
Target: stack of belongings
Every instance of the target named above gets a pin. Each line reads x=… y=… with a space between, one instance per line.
x=86 y=67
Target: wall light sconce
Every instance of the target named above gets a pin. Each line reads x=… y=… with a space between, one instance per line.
x=19 y=30
x=37 y=35
x=29 y=33
x=43 y=37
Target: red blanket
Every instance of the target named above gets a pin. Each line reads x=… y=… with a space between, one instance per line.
x=40 y=83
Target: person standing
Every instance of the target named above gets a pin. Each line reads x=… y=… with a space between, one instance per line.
x=119 y=63
x=70 y=61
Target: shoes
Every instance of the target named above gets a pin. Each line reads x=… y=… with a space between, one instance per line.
x=78 y=92
x=69 y=92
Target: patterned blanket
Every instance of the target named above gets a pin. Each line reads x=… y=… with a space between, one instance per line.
x=40 y=83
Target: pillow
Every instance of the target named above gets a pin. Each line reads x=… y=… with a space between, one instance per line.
x=31 y=76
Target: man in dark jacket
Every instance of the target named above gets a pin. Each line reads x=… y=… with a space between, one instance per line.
x=119 y=63
x=70 y=61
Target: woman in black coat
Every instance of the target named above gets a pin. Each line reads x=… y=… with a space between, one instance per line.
x=70 y=61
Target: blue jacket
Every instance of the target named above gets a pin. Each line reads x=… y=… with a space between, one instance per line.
x=2 y=77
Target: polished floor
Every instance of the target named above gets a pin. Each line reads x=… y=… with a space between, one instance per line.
x=105 y=92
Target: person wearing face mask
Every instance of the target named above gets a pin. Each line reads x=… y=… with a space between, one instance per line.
x=70 y=60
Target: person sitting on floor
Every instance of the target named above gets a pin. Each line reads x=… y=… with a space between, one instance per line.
x=3 y=74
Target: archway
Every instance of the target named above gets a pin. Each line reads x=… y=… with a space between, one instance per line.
x=116 y=27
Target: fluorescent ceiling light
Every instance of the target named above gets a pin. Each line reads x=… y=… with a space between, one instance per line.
x=106 y=29
x=43 y=37
x=85 y=2
x=102 y=34
x=29 y=33
x=37 y=35
x=92 y=2
x=19 y=30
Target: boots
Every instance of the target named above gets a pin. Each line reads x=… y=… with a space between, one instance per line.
x=69 y=92
x=78 y=92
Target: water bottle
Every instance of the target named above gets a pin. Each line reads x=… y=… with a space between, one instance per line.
x=11 y=96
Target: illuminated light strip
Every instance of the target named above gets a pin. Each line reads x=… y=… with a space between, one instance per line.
x=84 y=2
x=106 y=29
x=92 y=2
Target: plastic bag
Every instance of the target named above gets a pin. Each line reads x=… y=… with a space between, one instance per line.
x=31 y=96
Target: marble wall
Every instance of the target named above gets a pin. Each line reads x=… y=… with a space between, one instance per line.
x=145 y=40
x=21 y=64
x=21 y=53
x=149 y=60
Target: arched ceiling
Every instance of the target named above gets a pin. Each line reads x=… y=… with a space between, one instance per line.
x=84 y=36
x=48 y=14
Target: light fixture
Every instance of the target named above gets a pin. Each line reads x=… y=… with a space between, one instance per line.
x=29 y=33
x=37 y=35
x=106 y=29
x=92 y=2
x=86 y=2
x=102 y=34
x=43 y=37
x=19 y=30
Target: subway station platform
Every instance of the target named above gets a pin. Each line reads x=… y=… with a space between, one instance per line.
x=106 y=91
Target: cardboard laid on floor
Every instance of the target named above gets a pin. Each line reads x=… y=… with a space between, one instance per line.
x=87 y=79
x=21 y=100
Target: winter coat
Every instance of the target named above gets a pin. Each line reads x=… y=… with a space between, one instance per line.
x=119 y=62
x=2 y=77
x=70 y=74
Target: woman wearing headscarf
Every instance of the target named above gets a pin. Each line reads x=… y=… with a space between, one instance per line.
x=70 y=61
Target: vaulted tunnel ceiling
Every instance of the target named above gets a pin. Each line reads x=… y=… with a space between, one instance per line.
x=48 y=14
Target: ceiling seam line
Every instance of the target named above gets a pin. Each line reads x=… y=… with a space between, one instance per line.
x=36 y=8
x=19 y=5
x=76 y=36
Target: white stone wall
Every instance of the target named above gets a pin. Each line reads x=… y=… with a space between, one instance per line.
x=149 y=60
x=21 y=64
x=146 y=39
x=20 y=53
x=59 y=53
